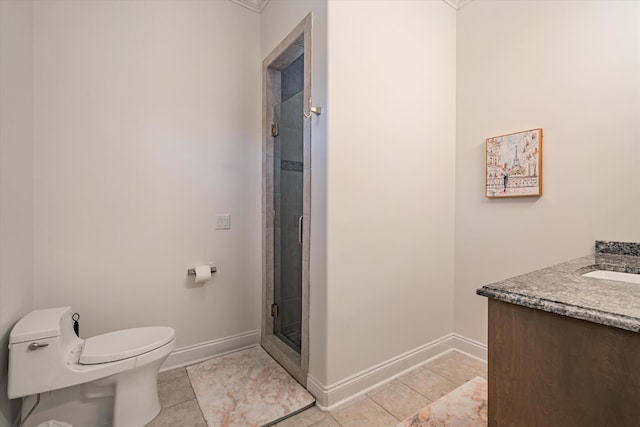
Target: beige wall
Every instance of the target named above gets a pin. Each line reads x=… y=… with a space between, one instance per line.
x=278 y=18
x=368 y=281
x=147 y=124
x=16 y=179
x=390 y=188
x=573 y=69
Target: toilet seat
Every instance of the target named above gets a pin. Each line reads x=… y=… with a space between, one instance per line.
x=124 y=344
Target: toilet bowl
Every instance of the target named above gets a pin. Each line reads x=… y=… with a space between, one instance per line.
x=106 y=380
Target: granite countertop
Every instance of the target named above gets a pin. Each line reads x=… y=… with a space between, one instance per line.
x=561 y=289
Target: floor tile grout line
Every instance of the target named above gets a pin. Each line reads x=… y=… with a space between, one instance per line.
x=177 y=403
x=195 y=397
x=429 y=402
x=182 y=401
x=172 y=379
x=337 y=422
x=319 y=421
x=447 y=378
x=408 y=385
x=443 y=375
x=384 y=409
x=323 y=419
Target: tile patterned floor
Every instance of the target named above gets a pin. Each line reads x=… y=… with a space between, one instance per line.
x=384 y=406
x=464 y=406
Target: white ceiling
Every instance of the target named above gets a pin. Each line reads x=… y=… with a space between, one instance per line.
x=258 y=5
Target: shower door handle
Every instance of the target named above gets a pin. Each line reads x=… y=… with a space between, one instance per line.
x=300 y=229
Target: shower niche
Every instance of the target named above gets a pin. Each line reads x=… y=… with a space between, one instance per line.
x=286 y=198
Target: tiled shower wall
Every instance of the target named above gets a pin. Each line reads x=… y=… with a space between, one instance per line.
x=292 y=79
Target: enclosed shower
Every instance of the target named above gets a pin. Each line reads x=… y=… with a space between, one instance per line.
x=286 y=200
x=288 y=186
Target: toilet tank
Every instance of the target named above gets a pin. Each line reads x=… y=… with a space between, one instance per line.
x=39 y=346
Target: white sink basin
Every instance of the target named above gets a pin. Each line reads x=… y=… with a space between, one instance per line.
x=614 y=275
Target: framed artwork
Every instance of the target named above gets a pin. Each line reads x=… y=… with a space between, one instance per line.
x=514 y=165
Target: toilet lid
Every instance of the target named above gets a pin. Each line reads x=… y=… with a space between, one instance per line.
x=124 y=344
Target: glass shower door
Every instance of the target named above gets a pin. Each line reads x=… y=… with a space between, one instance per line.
x=288 y=205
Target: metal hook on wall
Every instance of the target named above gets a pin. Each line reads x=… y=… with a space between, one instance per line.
x=315 y=110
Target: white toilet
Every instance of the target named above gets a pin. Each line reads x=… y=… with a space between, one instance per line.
x=106 y=380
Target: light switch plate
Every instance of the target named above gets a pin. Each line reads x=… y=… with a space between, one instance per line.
x=223 y=222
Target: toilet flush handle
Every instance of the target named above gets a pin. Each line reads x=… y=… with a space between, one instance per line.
x=37 y=345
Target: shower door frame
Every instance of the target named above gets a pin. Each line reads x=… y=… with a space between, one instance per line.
x=283 y=55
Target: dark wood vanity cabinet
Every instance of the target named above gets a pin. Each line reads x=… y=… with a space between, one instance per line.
x=548 y=370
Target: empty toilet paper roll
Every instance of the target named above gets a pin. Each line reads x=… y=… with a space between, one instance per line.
x=203 y=273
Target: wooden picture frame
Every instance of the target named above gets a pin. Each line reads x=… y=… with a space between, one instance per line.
x=514 y=165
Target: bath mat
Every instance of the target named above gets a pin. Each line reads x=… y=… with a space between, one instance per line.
x=465 y=406
x=246 y=389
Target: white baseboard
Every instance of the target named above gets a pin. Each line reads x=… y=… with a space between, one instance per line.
x=328 y=397
x=331 y=396
x=470 y=347
x=189 y=355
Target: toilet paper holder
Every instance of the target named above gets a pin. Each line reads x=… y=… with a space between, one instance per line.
x=192 y=271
